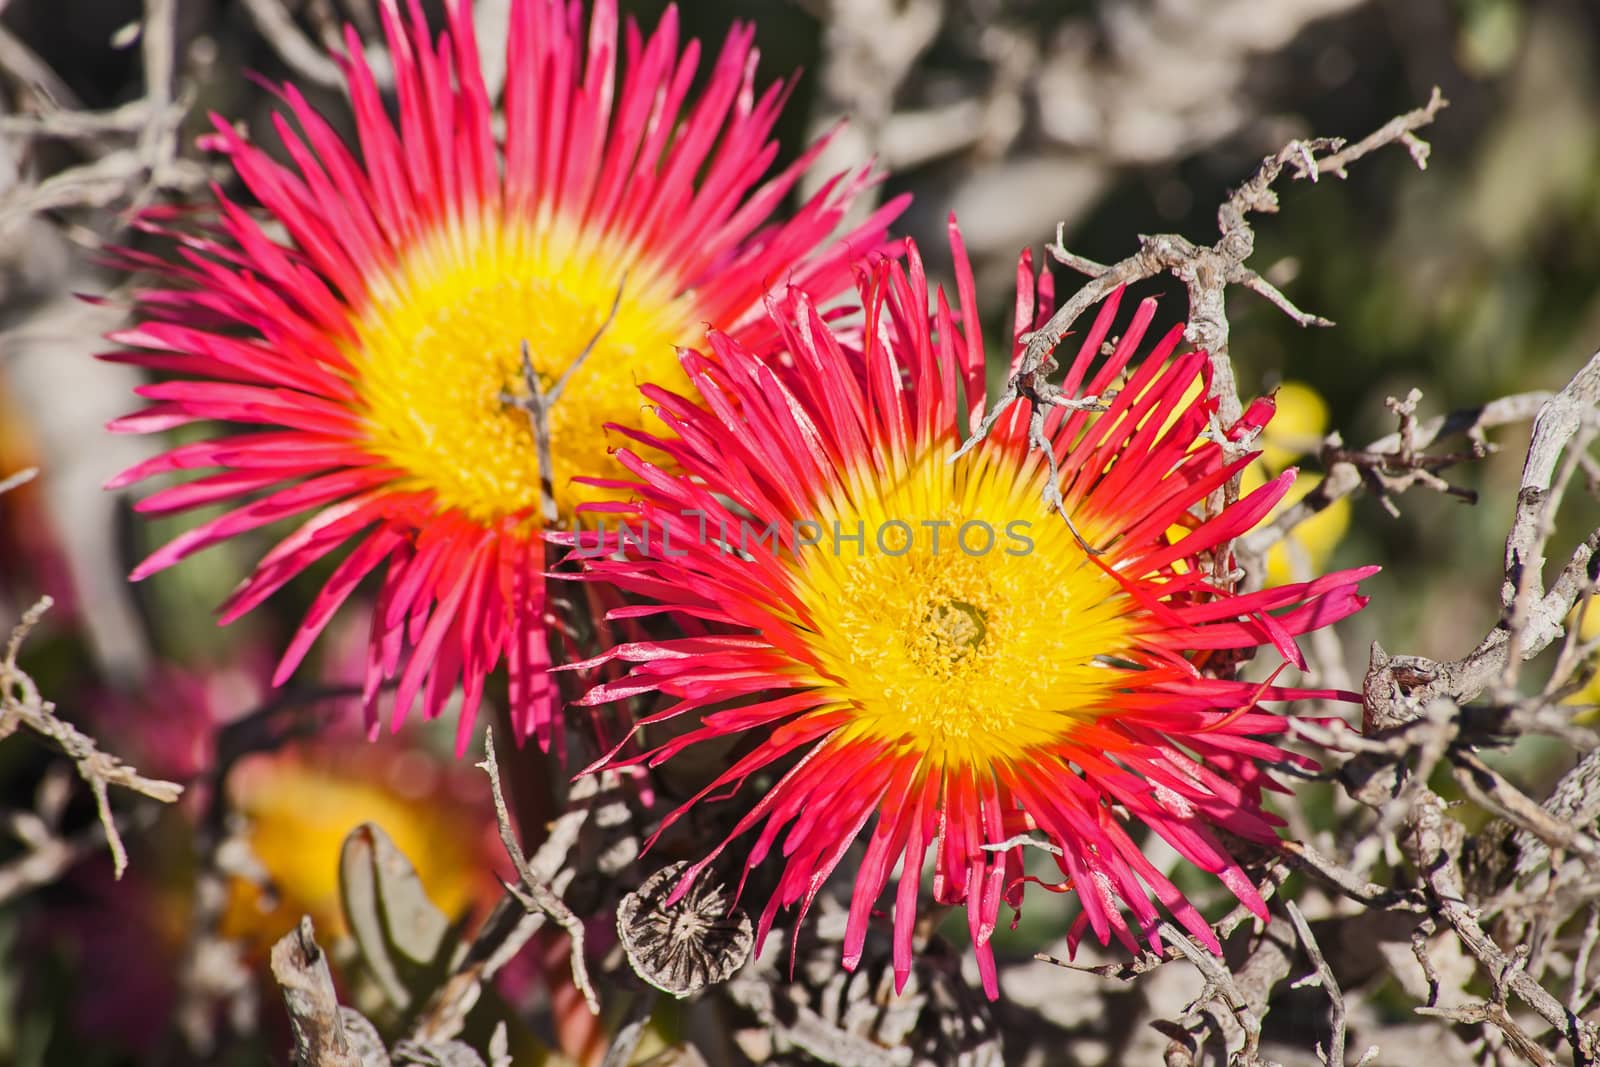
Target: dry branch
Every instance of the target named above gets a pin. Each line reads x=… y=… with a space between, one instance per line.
x=301 y=969
x=1206 y=272
x=22 y=705
x=531 y=891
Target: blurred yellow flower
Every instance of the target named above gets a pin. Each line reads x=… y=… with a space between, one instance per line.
x=1296 y=429
x=1587 y=619
x=301 y=804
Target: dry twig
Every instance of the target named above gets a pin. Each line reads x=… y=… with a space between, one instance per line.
x=531 y=891
x=301 y=969
x=22 y=705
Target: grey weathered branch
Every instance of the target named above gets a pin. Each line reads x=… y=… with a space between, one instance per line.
x=22 y=705
x=1432 y=843
x=1205 y=270
x=1344 y=474
x=298 y=53
x=300 y=968
x=531 y=890
x=1535 y=615
x=510 y=925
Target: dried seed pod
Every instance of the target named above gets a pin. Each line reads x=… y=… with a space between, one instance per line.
x=683 y=947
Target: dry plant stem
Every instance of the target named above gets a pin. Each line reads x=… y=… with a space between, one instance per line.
x=1322 y=976
x=1205 y=271
x=308 y=60
x=1415 y=705
x=1243 y=992
x=1580 y=966
x=1122 y=972
x=1346 y=881
x=1489 y=790
x=1433 y=854
x=1345 y=472
x=25 y=66
x=531 y=891
x=301 y=969
x=87 y=125
x=1401 y=128
x=158 y=46
x=1494 y=1012
x=131 y=173
x=46 y=861
x=539 y=401
x=1539 y=497
x=1398 y=687
x=626 y=1040
x=503 y=934
x=1574 y=803
x=22 y=705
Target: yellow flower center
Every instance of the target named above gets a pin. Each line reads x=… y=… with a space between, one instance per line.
x=929 y=626
x=438 y=361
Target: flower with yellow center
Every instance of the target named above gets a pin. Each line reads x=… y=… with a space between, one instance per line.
x=928 y=657
x=447 y=303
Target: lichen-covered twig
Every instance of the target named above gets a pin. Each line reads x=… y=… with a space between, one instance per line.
x=22 y=705
x=1429 y=846
x=1206 y=271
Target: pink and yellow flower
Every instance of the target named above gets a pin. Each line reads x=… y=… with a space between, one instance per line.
x=380 y=344
x=929 y=658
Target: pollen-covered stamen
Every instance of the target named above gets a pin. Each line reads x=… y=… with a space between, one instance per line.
x=957 y=627
x=936 y=637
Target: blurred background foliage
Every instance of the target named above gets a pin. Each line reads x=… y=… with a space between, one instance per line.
x=1477 y=278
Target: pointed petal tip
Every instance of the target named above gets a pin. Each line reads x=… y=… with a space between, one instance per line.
x=155 y=563
x=901 y=975
x=284 y=671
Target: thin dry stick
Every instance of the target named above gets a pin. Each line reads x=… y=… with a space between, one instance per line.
x=1345 y=473
x=531 y=891
x=1322 y=976
x=22 y=705
x=1398 y=688
x=25 y=66
x=47 y=860
x=1427 y=848
x=503 y=934
x=1539 y=497
x=291 y=45
x=1206 y=271
x=539 y=401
